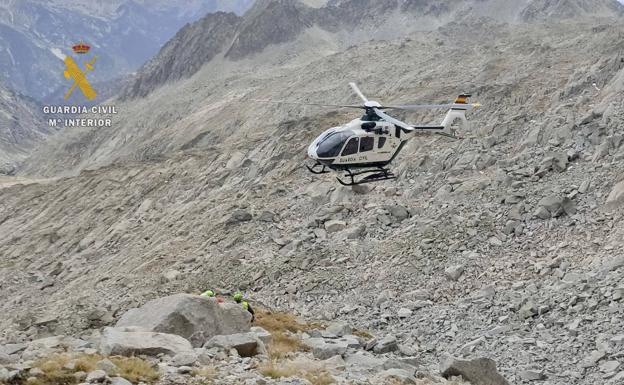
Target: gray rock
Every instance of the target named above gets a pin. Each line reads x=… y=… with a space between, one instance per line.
x=386 y=345
x=266 y=216
x=618 y=379
x=195 y=318
x=409 y=364
x=454 y=272
x=351 y=341
x=361 y=360
x=553 y=204
x=335 y=363
x=170 y=275
x=584 y=187
x=323 y=349
x=119 y=381
x=404 y=313
x=5 y=359
x=528 y=310
x=609 y=366
x=480 y=371
x=184 y=359
x=361 y=189
x=339 y=329
x=5 y=375
x=400 y=213
x=96 y=376
x=185 y=370
x=616 y=196
x=532 y=375
x=355 y=232
x=417 y=295
x=542 y=213
x=130 y=341
x=64 y=342
x=401 y=375
x=12 y=348
x=261 y=334
x=333 y=226
x=107 y=366
x=246 y=344
x=614 y=263
x=239 y=216
x=80 y=376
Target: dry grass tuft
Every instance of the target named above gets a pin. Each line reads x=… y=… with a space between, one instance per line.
x=426 y=381
x=362 y=333
x=207 y=372
x=135 y=369
x=283 y=344
x=319 y=378
x=282 y=322
x=276 y=370
x=87 y=363
x=282 y=326
x=57 y=372
x=53 y=370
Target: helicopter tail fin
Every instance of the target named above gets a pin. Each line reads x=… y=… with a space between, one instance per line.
x=458 y=112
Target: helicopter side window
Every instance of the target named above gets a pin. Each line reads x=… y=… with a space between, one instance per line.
x=351 y=147
x=367 y=143
x=382 y=142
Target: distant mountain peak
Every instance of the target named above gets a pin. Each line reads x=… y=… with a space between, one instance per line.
x=542 y=10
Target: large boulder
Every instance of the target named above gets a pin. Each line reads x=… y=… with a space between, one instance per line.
x=554 y=206
x=480 y=371
x=193 y=317
x=616 y=197
x=133 y=341
x=323 y=349
x=246 y=344
x=45 y=346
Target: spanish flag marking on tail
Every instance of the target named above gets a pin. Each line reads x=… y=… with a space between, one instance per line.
x=462 y=99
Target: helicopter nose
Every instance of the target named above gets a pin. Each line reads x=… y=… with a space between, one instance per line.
x=312 y=151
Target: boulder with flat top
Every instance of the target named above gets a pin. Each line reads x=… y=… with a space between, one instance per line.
x=195 y=318
x=133 y=341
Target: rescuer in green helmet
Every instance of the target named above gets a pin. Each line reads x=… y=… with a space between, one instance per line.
x=208 y=294
x=238 y=298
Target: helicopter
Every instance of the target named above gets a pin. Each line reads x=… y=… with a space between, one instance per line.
x=363 y=148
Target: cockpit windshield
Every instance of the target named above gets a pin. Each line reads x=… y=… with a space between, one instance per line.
x=331 y=145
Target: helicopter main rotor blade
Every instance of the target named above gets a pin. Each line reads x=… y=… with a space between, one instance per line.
x=414 y=107
x=309 y=104
x=358 y=92
x=392 y=120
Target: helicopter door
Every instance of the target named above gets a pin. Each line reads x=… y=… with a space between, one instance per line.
x=367 y=143
x=351 y=147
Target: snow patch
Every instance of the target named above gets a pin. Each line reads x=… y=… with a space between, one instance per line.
x=57 y=52
x=10 y=55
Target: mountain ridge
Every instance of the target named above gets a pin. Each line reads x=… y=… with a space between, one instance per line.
x=274 y=22
x=21 y=128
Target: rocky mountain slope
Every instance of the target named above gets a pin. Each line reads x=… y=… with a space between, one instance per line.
x=21 y=127
x=124 y=34
x=505 y=244
x=339 y=23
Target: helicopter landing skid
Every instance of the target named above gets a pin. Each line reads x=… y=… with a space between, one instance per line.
x=314 y=169
x=375 y=175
